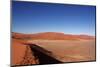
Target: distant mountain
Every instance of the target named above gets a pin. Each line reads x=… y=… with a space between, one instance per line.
x=51 y=36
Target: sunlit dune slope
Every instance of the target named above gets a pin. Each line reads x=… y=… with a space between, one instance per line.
x=21 y=54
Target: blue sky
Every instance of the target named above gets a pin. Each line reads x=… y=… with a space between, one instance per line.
x=33 y=17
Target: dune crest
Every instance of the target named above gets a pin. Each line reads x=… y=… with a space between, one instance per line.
x=51 y=36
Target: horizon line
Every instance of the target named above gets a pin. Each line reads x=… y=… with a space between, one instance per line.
x=54 y=32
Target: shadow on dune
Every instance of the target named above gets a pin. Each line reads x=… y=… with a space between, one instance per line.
x=43 y=55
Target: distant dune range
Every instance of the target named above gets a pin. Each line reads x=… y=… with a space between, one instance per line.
x=51 y=36
x=58 y=46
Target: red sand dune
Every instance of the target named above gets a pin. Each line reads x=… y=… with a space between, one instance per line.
x=51 y=36
x=22 y=55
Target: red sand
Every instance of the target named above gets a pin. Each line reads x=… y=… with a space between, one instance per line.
x=65 y=47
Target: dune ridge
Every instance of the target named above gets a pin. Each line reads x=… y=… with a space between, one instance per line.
x=51 y=36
